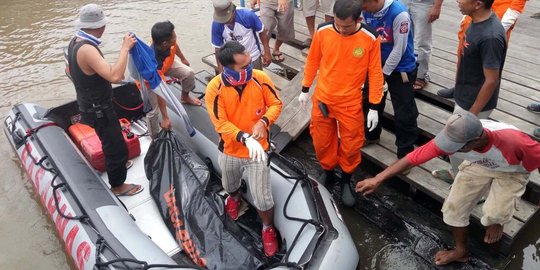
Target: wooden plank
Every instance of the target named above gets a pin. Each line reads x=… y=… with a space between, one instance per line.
x=278 y=81
x=294 y=119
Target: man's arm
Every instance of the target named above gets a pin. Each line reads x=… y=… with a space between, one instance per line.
x=487 y=90
x=265 y=40
x=217 y=42
x=273 y=104
x=91 y=61
x=180 y=55
x=493 y=52
x=419 y=156
x=435 y=11
x=402 y=26
x=313 y=61
x=375 y=75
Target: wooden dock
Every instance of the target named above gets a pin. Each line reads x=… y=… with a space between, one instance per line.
x=520 y=86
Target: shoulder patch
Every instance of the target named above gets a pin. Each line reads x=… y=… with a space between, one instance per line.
x=404 y=27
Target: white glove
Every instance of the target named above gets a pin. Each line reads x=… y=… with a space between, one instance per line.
x=372 y=119
x=303 y=98
x=256 y=152
x=509 y=18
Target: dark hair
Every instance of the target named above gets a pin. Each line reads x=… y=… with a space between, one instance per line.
x=344 y=9
x=162 y=31
x=488 y=3
x=227 y=52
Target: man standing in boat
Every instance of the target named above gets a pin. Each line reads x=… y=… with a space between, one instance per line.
x=92 y=77
x=498 y=160
x=167 y=50
x=242 y=25
x=242 y=104
x=344 y=53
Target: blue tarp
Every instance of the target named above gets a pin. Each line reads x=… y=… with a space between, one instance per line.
x=144 y=59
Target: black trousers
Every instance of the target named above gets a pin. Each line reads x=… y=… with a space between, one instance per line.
x=405 y=112
x=112 y=140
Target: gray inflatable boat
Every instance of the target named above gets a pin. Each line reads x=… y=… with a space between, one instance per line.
x=101 y=231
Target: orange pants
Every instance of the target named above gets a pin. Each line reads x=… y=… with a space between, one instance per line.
x=330 y=151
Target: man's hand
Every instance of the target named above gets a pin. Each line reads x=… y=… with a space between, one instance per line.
x=266 y=58
x=372 y=119
x=434 y=14
x=129 y=41
x=283 y=6
x=303 y=99
x=185 y=62
x=165 y=124
x=258 y=130
x=256 y=152
x=367 y=186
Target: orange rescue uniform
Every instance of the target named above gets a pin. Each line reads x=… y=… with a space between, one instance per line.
x=499 y=7
x=167 y=64
x=235 y=112
x=343 y=64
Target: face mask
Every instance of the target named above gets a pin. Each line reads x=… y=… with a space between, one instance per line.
x=237 y=78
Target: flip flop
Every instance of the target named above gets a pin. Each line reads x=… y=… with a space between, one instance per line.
x=130 y=192
x=419 y=84
x=129 y=164
x=278 y=57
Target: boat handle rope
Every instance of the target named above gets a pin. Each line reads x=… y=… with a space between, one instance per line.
x=319 y=226
x=84 y=219
x=128 y=108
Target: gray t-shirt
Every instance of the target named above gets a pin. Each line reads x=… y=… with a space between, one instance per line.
x=484 y=46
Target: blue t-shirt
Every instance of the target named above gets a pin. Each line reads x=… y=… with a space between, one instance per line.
x=245 y=30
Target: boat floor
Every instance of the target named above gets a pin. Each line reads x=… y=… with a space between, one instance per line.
x=141 y=206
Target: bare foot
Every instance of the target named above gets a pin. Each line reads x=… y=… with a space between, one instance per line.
x=191 y=101
x=445 y=257
x=494 y=233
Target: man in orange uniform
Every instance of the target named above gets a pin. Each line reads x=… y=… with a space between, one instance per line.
x=242 y=104
x=507 y=11
x=344 y=52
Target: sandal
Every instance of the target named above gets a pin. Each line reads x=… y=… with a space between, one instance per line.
x=419 y=84
x=278 y=57
x=444 y=175
x=133 y=190
x=129 y=164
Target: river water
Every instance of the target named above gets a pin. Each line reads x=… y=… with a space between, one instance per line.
x=32 y=35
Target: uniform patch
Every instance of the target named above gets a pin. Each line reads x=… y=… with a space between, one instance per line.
x=358 y=52
x=404 y=28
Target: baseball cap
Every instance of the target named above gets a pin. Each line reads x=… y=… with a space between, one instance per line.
x=458 y=131
x=91 y=16
x=223 y=10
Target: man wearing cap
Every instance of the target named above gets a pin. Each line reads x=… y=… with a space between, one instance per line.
x=242 y=25
x=92 y=77
x=498 y=160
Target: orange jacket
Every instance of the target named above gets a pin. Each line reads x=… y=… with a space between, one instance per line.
x=234 y=114
x=343 y=63
x=168 y=62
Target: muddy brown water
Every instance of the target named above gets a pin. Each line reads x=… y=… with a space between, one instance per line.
x=32 y=35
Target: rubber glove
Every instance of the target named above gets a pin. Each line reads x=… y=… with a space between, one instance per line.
x=256 y=152
x=303 y=99
x=372 y=119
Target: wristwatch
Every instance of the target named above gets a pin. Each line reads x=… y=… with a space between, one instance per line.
x=245 y=136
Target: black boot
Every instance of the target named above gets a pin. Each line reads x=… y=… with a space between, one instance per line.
x=327 y=179
x=347 y=196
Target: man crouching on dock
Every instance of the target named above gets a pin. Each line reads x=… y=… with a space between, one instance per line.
x=498 y=160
